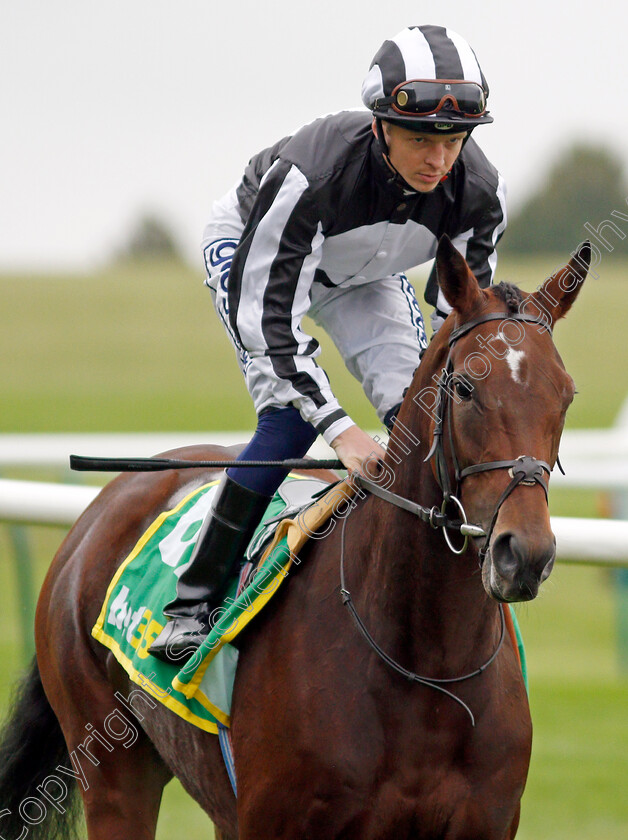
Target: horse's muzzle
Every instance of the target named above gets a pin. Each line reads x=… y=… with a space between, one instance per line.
x=513 y=570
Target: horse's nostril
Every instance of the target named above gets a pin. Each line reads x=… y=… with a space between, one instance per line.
x=547 y=570
x=517 y=567
x=507 y=555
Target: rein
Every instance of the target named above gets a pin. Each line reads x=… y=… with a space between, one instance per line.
x=432 y=682
x=524 y=470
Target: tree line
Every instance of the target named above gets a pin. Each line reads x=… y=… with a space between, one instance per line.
x=580 y=192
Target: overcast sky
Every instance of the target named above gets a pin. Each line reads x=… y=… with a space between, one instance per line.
x=114 y=108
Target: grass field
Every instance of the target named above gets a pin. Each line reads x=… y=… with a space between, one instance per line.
x=138 y=348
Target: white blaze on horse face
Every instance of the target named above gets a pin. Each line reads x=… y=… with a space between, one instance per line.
x=514 y=358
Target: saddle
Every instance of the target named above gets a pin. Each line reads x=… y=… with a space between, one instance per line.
x=297 y=495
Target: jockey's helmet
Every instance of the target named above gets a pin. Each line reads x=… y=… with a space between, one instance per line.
x=427 y=78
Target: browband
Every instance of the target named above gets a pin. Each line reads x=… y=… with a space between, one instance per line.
x=495 y=316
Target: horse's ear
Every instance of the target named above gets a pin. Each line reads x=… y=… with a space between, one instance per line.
x=455 y=278
x=559 y=291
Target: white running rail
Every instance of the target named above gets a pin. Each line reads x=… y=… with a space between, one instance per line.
x=38 y=503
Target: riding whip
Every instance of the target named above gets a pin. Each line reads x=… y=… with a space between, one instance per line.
x=85 y=464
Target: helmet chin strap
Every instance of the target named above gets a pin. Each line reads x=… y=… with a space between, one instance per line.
x=395 y=177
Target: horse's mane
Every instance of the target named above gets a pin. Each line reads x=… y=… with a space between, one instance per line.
x=510 y=294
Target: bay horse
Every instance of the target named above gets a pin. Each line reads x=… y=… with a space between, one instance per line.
x=329 y=741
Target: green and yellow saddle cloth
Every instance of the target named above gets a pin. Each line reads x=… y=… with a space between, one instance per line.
x=131 y=617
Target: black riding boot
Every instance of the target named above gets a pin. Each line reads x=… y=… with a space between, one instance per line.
x=224 y=536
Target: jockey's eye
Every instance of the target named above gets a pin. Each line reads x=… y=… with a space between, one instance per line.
x=463 y=389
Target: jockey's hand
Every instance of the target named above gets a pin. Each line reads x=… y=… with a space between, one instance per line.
x=354 y=448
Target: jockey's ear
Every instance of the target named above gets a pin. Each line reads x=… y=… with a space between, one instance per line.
x=557 y=294
x=455 y=278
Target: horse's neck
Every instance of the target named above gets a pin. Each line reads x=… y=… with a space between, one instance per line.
x=425 y=605
x=418 y=593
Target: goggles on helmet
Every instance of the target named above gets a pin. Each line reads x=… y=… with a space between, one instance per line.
x=420 y=97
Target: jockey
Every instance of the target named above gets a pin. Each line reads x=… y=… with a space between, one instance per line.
x=325 y=223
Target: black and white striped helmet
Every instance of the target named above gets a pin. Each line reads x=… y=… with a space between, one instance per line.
x=397 y=87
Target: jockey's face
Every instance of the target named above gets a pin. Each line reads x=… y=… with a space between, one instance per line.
x=421 y=159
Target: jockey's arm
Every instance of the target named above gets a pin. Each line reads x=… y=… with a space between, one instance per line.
x=269 y=287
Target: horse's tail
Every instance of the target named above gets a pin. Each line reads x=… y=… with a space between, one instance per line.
x=34 y=794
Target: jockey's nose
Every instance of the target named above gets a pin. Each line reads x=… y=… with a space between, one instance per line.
x=436 y=155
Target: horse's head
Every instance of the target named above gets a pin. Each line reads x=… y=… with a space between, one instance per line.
x=492 y=388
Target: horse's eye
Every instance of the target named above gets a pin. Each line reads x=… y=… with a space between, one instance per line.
x=463 y=389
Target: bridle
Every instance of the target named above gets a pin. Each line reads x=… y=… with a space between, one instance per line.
x=525 y=470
